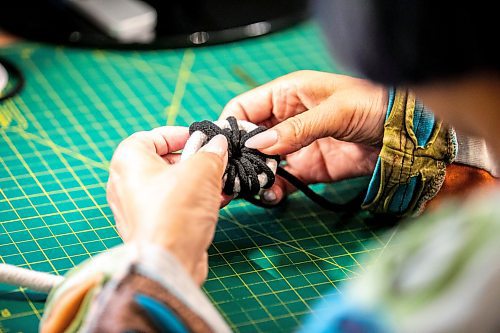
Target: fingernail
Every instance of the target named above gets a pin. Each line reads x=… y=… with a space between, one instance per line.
x=269 y=196
x=262 y=140
x=218 y=145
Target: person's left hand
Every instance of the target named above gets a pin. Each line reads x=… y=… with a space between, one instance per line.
x=328 y=127
x=158 y=199
x=326 y=160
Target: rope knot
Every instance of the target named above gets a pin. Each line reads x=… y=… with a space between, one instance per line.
x=248 y=170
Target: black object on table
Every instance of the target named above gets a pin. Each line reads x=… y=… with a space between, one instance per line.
x=179 y=23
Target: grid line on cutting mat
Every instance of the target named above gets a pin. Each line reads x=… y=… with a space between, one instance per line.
x=268 y=267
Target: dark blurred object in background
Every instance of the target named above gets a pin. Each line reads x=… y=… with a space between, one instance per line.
x=401 y=42
x=92 y=23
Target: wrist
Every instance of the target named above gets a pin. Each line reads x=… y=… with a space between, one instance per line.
x=172 y=245
x=382 y=110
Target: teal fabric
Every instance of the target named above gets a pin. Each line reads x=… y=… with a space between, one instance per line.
x=403 y=197
x=374 y=184
x=334 y=314
x=423 y=125
x=161 y=316
x=390 y=103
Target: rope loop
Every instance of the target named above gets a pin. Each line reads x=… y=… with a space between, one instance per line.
x=244 y=165
x=250 y=171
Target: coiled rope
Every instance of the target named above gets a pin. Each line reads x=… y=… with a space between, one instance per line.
x=249 y=171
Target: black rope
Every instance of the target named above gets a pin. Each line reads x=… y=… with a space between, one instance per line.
x=247 y=164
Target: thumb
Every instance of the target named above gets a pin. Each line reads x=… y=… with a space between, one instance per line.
x=209 y=163
x=298 y=131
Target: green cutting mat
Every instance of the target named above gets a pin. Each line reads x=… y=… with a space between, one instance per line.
x=268 y=267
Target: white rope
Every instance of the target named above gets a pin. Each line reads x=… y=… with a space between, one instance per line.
x=199 y=139
x=4 y=78
x=34 y=280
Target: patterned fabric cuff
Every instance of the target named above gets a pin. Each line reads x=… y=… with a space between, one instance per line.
x=134 y=288
x=412 y=163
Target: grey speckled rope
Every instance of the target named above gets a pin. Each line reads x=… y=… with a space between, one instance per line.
x=34 y=280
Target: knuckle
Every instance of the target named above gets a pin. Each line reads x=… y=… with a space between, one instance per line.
x=304 y=76
x=133 y=140
x=296 y=127
x=286 y=89
x=137 y=137
x=232 y=104
x=293 y=134
x=236 y=109
x=303 y=72
x=286 y=100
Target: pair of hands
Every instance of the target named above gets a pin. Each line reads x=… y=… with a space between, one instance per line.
x=328 y=127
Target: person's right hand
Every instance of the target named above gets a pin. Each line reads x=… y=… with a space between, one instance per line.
x=328 y=127
x=157 y=199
